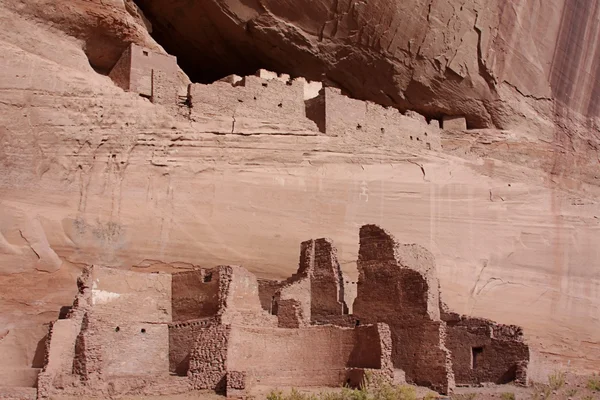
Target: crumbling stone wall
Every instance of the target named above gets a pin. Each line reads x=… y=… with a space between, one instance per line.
x=326 y=283
x=315 y=293
x=252 y=97
x=182 y=339
x=111 y=347
x=484 y=351
x=195 y=294
x=397 y=293
x=315 y=356
x=131 y=295
x=208 y=360
x=337 y=115
x=266 y=292
x=238 y=298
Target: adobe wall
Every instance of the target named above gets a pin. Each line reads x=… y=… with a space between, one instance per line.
x=120 y=73
x=484 y=351
x=195 y=294
x=315 y=356
x=239 y=298
x=337 y=115
x=165 y=88
x=143 y=62
x=253 y=97
x=392 y=291
x=134 y=296
x=60 y=352
x=118 y=348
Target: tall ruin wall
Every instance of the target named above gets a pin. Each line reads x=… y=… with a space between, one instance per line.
x=133 y=296
x=195 y=294
x=326 y=283
x=398 y=295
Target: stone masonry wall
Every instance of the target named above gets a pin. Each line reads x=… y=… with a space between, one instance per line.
x=326 y=283
x=398 y=294
x=195 y=294
x=208 y=360
x=165 y=88
x=484 y=351
x=182 y=339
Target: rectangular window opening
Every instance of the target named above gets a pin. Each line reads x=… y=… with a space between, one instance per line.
x=476 y=353
x=145 y=53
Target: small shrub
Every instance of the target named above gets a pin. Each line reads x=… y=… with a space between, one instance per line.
x=556 y=380
x=571 y=392
x=430 y=396
x=507 y=396
x=594 y=384
x=541 y=392
x=588 y=397
x=470 y=396
x=275 y=395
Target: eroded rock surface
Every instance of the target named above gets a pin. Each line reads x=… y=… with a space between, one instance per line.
x=471 y=57
x=91 y=174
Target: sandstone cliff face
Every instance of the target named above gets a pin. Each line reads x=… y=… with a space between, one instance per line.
x=436 y=56
x=93 y=175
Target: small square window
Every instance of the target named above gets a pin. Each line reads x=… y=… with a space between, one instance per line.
x=208 y=277
x=145 y=53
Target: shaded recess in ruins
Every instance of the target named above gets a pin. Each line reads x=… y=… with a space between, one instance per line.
x=212 y=41
x=225 y=330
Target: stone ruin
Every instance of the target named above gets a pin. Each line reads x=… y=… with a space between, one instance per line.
x=276 y=100
x=223 y=329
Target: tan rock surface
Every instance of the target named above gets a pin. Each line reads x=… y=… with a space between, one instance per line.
x=91 y=174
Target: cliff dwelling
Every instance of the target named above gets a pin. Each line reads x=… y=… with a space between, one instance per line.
x=222 y=329
x=307 y=107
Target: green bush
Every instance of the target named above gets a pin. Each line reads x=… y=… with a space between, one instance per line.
x=594 y=384
x=556 y=380
x=508 y=396
x=372 y=389
x=541 y=392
